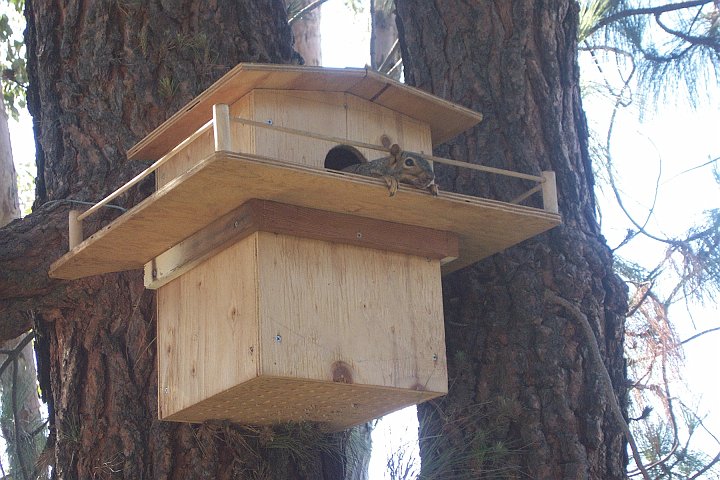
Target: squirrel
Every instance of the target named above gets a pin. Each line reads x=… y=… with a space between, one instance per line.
x=400 y=167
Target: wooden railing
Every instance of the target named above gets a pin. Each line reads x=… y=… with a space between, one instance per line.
x=221 y=125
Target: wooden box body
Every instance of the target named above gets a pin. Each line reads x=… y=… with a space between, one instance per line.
x=278 y=328
x=336 y=114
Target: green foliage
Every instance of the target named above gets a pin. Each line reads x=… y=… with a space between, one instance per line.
x=167 y=87
x=591 y=12
x=462 y=451
x=13 y=66
x=668 y=459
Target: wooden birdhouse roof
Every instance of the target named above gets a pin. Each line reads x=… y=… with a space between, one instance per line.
x=446 y=119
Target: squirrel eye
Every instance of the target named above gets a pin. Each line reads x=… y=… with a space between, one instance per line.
x=409 y=162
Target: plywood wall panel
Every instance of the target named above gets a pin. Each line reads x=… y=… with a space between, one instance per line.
x=367 y=122
x=207 y=328
x=317 y=112
x=378 y=312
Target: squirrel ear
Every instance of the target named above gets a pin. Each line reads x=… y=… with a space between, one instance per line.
x=385 y=141
x=395 y=150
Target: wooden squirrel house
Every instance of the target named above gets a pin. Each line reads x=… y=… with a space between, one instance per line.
x=288 y=291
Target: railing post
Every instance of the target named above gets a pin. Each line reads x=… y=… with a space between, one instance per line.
x=549 y=192
x=221 y=127
x=75 y=233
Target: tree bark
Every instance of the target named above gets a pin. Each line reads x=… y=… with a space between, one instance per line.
x=306 y=33
x=102 y=75
x=520 y=368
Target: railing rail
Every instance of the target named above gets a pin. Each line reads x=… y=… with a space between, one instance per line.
x=345 y=141
x=141 y=176
x=224 y=142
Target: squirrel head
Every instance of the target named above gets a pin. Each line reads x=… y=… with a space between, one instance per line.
x=411 y=168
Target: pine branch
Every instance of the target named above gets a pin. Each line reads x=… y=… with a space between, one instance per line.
x=698 y=335
x=692 y=39
x=632 y=12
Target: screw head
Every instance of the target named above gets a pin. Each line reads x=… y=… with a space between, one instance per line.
x=435 y=357
x=358 y=235
x=278 y=338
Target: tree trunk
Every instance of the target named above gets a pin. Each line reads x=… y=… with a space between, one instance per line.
x=9 y=203
x=102 y=75
x=522 y=379
x=383 y=35
x=306 y=33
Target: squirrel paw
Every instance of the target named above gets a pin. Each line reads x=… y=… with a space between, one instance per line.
x=433 y=189
x=392 y=184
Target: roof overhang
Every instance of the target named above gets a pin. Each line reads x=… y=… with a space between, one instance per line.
x=446 y=119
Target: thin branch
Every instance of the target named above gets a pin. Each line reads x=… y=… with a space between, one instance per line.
x=632 y=12
x=16 y=351
x=617 y=51
x=699 y=421
x=388 y=58
x=706 y=467
x=634 y=308
x=305 y=10
x=709 y=162
x=692 y=39
x=697 y=335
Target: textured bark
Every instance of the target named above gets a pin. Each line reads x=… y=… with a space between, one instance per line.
x=518 y=362
x=102 y=75
x=306 y=34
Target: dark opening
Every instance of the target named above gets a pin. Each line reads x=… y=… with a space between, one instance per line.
x=343 y=156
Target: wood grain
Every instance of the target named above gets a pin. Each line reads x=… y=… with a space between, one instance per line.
x=269 y=400
x=304 y=330
x=208 y=329
x=446 y=119
x=261 y=215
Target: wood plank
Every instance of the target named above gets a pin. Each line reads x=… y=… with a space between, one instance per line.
x=360 y=315
x=367 y=122
x=261 y=215
x=445 y=118
x=224 y=181
x=269 y=400
x=379 y=313
x=207 y=319
x=184 y=159
x=321 y=112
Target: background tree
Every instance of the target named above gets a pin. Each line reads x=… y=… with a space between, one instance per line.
x=304 y=18
x=520 y=356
